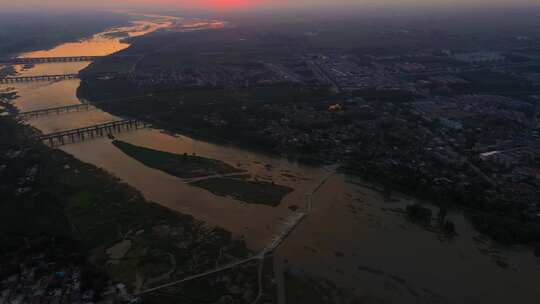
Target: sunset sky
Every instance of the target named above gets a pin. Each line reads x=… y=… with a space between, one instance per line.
x=254 y=4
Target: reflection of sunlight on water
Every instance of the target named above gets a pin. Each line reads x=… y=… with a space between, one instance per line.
x=102 y=44
x=257 y=223
x=138 y=28
x=40 y=95
x=347 y=218
x=51 y=69
x=94 y=46
x=53 y=123
x=194 y=25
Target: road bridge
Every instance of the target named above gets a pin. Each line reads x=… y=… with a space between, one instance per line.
x=92 y=132
x=38 y=78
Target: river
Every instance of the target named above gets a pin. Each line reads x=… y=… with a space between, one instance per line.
x=350 y=237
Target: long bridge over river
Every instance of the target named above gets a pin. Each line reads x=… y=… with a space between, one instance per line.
x=38 y=78
x=56 y=111
x=92 y=132
x=76 y=107
x=41 y=60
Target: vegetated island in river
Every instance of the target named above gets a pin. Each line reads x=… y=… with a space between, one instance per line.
x=183 y=166
x=86 y=218
x=190 y=166
x=253 y=192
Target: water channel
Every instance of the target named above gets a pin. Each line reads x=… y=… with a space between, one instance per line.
x=350 y=237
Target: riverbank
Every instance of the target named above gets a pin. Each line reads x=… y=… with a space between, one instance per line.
x=65 y=198
x=231 y=119
x=386 y=258
x=509 y=230
x=375 y=133
x=222 y=115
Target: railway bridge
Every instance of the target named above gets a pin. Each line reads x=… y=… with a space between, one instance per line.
x=92 y=132
x=40 y=60
x=56 y=111
x=75 y=107
x=38 y=78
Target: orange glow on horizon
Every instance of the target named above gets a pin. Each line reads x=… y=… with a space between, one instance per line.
x=228 y=4
x=214 y=4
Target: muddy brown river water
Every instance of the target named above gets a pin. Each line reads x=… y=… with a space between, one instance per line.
x=350 y=236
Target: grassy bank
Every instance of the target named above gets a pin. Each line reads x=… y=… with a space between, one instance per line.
x=183 y=166
x=68 y=199
x=253 y=192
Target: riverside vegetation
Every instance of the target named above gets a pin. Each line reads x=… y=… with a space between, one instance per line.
x=49 y=194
